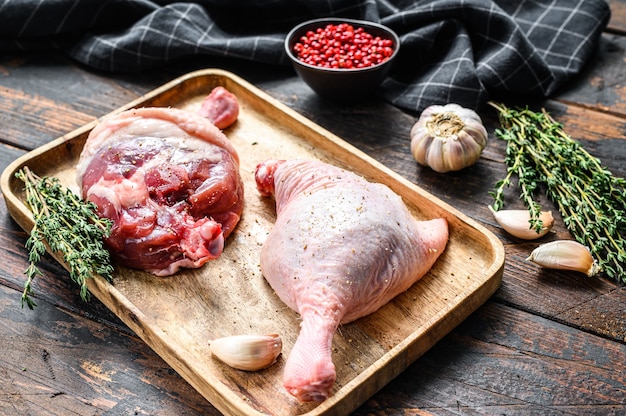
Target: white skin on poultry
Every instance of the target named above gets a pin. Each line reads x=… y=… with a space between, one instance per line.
x=341 y=248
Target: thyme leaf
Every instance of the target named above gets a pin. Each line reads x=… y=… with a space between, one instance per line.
x=590 y=199
x=68 y=225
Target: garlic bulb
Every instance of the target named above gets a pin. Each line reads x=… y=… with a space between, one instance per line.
x=565 y=255
x=517 y=223
x=247 y=352
x=448 y=138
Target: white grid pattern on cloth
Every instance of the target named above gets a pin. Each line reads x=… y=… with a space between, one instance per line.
x=452 y=50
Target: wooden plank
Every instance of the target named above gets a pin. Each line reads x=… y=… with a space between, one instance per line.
x=55 y=362
x=601 y=84
x=618 y=16
x=36 y=108
x=503 y=360
x=594 y=305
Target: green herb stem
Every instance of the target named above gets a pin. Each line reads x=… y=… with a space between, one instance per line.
x=590 y=199
x=68 y=225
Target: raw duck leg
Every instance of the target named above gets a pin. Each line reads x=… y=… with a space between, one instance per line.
x=341 y=248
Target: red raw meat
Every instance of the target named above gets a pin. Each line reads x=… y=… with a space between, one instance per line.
x=341 y=248
x=169 y=180
x=221 y=107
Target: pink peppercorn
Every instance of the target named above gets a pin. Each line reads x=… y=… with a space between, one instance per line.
x=342 y=46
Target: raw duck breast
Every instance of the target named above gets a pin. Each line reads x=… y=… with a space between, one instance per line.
x=169 y=180
x=341 y=248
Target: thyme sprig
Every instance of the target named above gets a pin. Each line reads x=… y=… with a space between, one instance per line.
x=590 y=199
x=68 y=225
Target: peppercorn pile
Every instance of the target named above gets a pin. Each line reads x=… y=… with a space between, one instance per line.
x=342 y=46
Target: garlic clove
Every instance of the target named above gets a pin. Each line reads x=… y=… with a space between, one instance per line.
x=565 y=255
x=517 y=223
x=420 y=148
x=435 y=154
x=247 y=352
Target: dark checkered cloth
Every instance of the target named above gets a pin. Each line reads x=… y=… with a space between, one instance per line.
x=451 y=50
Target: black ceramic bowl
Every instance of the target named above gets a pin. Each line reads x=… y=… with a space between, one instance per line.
x=342 y=84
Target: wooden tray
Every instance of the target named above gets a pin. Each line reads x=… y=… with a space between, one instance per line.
x=177 y=316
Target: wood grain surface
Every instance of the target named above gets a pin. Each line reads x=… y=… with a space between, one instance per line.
x=546 y=342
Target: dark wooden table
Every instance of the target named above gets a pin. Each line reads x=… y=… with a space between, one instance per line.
x=547 y=342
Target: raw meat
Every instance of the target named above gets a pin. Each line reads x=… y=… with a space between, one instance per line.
x=169 y=180
x=221 y=107
x=340 y=249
